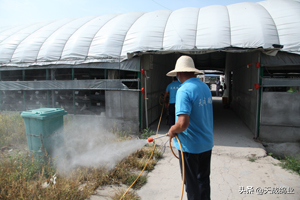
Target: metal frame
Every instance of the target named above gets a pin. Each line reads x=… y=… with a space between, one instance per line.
x=50 y=84
x=280 y=82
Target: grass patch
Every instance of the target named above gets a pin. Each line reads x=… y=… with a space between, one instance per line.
x=140 y=158
x=121 y=173
x=121 y=134
x=28 y=177
x=131 y=195
x=139 y=183
x=12 y=129
x=290 y=163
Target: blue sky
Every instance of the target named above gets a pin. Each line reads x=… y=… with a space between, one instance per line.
x=18 y=12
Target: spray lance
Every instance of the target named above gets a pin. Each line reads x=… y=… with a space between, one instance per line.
x=150 y=139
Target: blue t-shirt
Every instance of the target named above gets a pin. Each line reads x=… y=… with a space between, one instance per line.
x=172 y=89
x=194 y=99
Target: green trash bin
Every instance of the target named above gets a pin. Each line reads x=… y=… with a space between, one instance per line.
x=44 y=130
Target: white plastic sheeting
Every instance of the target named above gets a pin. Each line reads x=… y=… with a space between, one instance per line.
x=213 y=32
x=251 y=26
x=111 y=38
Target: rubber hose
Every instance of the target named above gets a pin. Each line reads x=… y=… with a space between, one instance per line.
x=182 y=162
x=182 y=159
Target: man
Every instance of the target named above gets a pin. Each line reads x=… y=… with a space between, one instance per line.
x=171 y=91
x=218 y=87
x=223 y=86
x=194 y=128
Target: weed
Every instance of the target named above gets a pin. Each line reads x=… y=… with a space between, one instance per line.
x=146 y=133
x=146 y=152
x=139 y=159
x=150 y=165
x=139 y=183
x=29 y=177
x=25 y=177
x=121 y=135
x=270 y=154
x=68 y=119
x=252 y=159
x=12 y=129
x=131 y=195
x=291 y=163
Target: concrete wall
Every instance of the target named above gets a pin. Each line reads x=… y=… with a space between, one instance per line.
x=280 y=117
x=244 y=102
x=122 y=107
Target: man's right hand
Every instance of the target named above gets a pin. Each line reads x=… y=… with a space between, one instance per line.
x=166 y=105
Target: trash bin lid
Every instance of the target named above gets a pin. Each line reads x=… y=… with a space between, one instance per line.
x=43 y=113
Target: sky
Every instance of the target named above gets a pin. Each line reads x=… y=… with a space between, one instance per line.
x=19 y=12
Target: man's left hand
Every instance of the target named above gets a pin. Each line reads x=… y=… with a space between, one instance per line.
x=171 y=133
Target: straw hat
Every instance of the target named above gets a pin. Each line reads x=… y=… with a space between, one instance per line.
x=184 y=64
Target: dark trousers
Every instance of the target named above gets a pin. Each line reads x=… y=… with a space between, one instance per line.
x=171 y=114
x=217 y=91
x=197 y=172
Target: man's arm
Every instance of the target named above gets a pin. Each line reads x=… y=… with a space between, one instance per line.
x=181 y=124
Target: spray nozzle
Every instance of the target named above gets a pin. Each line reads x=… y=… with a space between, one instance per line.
x=150 y=139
